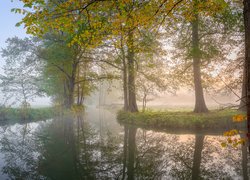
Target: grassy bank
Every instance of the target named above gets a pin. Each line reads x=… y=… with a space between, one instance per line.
x=14 y=115
x=181 y=120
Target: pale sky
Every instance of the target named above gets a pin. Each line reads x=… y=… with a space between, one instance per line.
x=8 y=29
x=8 y=20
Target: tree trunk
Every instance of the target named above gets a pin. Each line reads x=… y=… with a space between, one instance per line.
x=131 y=152
x=242 y=105
x=132 y=105
x=125 y=152
x=124 y=74
x=78 y=86
x=144 y=102
x=71 y=88
x=244 y=162
x=81 y=96
x=246 y=14
x=65 y=94
x=199 y=140
x=200 y=105
x=125 y=84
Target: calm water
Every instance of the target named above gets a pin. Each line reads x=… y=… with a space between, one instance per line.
x=95 y=146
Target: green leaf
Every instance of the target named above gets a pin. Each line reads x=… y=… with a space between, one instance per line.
x=18 y=24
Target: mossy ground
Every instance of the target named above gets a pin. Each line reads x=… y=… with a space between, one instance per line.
x=216 y=119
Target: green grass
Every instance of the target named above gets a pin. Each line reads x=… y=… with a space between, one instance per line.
x=181 y=119
x=13 y=115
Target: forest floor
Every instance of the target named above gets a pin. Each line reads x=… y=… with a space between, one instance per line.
x=215 y=119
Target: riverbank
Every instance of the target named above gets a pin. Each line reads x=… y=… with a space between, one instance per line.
x=216 y=119
x=15 y=115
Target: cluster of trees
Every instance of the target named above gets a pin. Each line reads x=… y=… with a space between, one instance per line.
x=35 y=67
x=80 y=42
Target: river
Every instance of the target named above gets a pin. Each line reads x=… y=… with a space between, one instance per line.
x=96 y=146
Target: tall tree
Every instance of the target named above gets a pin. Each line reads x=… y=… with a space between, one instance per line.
x=66 y=67
x=204 y=39
x=200 y=105
x=61 y=61
x=246 y=14
x=21 y=70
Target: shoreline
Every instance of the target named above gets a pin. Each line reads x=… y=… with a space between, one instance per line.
x=182 y=120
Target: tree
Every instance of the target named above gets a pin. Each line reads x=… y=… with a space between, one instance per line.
x=21 y=72
x=200 y=105
x=205 y=34
x=61 y=61
x=67 y=67
x=136 y=40
x=91 y=23
x=153 y=77
x=246 y=15
x=126 y=20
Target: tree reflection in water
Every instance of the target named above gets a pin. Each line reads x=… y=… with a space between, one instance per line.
x=170 y=156
x=66 y=148
x=70 y=148
x=82 y=154
x=19 y=150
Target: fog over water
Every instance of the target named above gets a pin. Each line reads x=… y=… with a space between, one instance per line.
x=46 y=150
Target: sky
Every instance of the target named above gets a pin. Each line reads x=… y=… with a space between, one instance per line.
x=8 y=20
x=8 y=29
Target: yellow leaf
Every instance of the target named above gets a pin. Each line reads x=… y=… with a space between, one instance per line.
x=229 y=140
x=223 y=144
x=239 y=118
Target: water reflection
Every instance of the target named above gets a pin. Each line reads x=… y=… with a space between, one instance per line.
x=19 y=152
x=75 y=151
x=154 y=155
x=71 y=147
